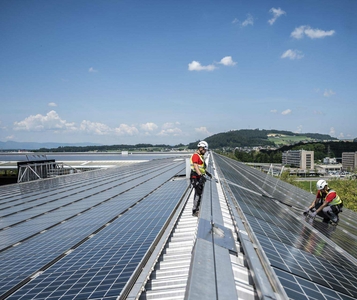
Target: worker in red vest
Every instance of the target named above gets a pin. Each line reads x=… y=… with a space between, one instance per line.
x=198 y=173
x=330 y=206
x=320 y=196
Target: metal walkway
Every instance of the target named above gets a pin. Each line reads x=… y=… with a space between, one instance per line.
x=176 y=269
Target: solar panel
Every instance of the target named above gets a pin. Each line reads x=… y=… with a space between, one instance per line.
x=36 y=219
x=307 y=265
x=42 y=247
x=295 y=200
x=103 y=265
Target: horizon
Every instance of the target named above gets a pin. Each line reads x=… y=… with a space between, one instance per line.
x=130 y=72
x=90 y=144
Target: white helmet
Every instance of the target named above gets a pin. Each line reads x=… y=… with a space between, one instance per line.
x=203 y=144
x=321 y=184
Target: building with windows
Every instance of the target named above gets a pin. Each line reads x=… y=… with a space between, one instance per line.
x=299 y=159
x=329 y=160
x=349 y=161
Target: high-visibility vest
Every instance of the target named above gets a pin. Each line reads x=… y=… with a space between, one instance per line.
x=336 y=201
x=320 y=195
x=201 y=167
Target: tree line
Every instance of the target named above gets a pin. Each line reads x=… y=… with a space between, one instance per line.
x=321 y=150
x=110 y=148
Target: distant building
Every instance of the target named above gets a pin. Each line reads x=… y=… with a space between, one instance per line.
x=299 y=159
x=331 y=169
x=349 y=161
x=329 y=161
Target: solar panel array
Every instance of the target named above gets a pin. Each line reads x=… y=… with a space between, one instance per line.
x=84 y=234
x=309 y=265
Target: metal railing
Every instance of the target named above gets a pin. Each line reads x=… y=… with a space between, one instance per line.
x=35 y=171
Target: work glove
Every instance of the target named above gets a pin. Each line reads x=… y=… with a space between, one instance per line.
x=313 y=214
x=202 y=180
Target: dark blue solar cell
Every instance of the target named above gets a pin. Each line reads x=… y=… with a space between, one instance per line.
x=306 y=283
x=280 y=265
x=314 y=294
x=291 y=284
x=293 y=294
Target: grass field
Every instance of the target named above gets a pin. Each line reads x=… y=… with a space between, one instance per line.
x=282 y=139
x=346 y=189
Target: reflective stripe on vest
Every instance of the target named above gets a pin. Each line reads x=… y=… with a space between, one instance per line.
x=336 y=201
x=201 y=167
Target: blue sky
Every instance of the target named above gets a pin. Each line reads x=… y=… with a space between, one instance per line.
x=128 y=72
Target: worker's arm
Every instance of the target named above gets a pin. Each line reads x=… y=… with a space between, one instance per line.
x=208 y=174
x=321 y=207
x=313 y=204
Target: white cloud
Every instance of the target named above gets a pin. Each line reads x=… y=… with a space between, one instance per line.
x=171 y=131
x=286 y=112
x=317 y=33
x=170 y=125
x=332 y=131
x=92 y=70
x=277 y=12
x=148 y=126
x=94 y=128
x=248 y=21
x=292 y=54
x=125 y=129
x=299 y=32
x=341 y=135
x=329 y=93
x=227 y=61
x=203 y=130
x=51 y=121
x=170 y=128
x=274 y=111
x=196 y=66
x=299 y=129
x=52 y=104
x=10 y=138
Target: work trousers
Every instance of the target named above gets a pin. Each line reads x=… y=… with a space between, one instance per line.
x=198 y=193
x=330 y=212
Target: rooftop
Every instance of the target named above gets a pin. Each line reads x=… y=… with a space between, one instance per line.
x=126 y=232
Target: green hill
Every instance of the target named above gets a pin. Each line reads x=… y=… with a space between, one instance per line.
x=257 y=137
